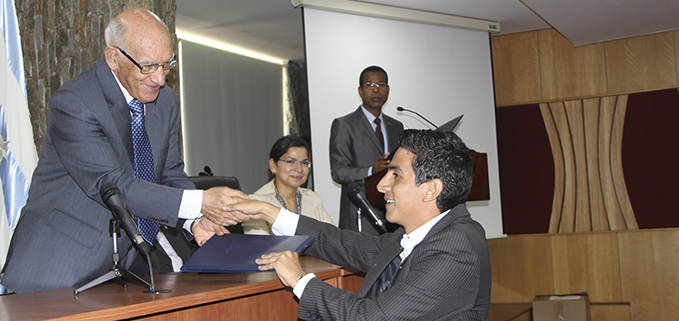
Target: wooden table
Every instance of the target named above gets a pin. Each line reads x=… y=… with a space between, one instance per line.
x=237 y=296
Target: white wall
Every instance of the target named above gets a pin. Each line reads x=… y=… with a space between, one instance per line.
x=226 y=97
x=440 y=72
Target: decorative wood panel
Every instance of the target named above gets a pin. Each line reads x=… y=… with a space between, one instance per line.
x=565 y=72
x=638 y=269
x=641 y=63
x=610 y=312
x=570 y=72
x=649 y=273
x=522 y=268
x=516 y=68
x=587 y=262
x=589 y=184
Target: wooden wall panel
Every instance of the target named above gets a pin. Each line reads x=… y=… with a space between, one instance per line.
x=610 y=312
x=641 y=63
x=624 y=272
x=565 y=72
x=649 y=262
x=516 y=68
x=676 y=55
x=587 y=263
x=522 y=268
x=570 y=72
x=591 y=112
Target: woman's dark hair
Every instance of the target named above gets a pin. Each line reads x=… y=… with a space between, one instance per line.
x=282 y=145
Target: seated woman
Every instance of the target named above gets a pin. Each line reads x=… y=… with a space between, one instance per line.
x=289 y=164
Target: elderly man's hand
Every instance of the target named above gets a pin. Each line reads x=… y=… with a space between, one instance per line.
x=215 y=201
x=256 y=210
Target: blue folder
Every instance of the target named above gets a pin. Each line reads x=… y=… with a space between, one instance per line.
x=236 y=253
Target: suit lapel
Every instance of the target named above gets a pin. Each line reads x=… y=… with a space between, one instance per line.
x=383 y=259
x=392 y=136
x=119 y=111
x=367 y=128
x=368 y=288
x=153 y=128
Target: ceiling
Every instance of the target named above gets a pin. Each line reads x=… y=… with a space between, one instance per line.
x=274 y=27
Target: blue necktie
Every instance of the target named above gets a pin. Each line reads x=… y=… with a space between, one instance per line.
x=387 y=275
x=143 y=165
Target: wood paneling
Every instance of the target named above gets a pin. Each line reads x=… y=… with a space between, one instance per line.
x=641 y=63
x=566 y=72
x=570 y=72
x=587 y=263
x=649 y=273
x=516 y=68
x=629 y=275
x=610 y=312
x=510 y=312
x=589 y=183
x=522 y=268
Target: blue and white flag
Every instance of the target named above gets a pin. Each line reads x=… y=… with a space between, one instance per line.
x=18 y=156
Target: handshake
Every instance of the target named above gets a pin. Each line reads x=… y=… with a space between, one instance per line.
x=223 y=206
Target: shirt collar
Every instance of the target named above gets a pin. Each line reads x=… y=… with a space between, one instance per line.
x=412 y=239
x=371 y=117
x=128 y=97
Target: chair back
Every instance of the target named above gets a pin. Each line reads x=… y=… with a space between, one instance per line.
x=206 y=182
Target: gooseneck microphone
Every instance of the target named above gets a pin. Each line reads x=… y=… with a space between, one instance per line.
x=357 y=194
x=399 y=108
x=110 y=194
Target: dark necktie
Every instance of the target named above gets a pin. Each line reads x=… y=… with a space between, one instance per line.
x=378 y=132
x=387 y=275
x=143 y=164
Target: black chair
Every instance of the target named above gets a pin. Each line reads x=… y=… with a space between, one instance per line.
x=206 y=182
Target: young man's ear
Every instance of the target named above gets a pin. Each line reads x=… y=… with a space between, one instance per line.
x=434 y=189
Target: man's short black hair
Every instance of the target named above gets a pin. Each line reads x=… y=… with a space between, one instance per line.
x=369 y=69
x=442 y=155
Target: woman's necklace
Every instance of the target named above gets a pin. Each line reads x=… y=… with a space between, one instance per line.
x=298 y=197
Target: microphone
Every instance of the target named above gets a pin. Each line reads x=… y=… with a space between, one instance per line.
x=399 y=108
x=110 y=194
x=357 y=194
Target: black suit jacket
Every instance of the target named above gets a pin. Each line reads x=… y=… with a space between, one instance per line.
x=446 y=277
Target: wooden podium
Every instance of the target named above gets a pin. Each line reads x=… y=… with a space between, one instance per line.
x=480 y=190
x=194 y=296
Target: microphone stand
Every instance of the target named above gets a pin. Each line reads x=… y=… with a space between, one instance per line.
x=116 y=271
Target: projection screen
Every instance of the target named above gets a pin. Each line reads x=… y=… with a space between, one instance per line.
x=440 y=72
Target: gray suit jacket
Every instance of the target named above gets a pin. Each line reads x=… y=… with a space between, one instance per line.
x=353 y=148
x=446 y=277
x=63 y=238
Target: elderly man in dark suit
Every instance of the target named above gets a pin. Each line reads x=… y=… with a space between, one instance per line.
x=116 y=122
x=360 y=143
x=435 y=267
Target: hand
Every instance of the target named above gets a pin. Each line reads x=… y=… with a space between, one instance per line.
x=214 y=205
x=203 y=229
x=381 y=163
x=286 y=265
x=256 y=210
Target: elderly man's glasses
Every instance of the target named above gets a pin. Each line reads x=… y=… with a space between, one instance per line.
x=294 y=162
x=377 y=85
x=150 y=68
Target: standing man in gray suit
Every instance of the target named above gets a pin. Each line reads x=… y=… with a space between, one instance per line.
x=360 y=143
x=435 y=267
x=63 y=237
